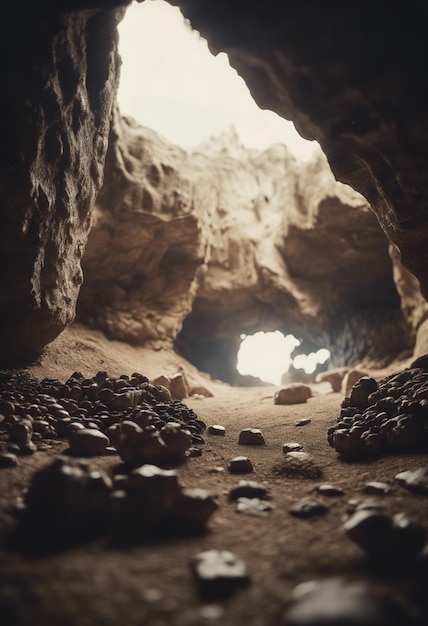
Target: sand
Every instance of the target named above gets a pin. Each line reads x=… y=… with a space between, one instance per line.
x=152 y=583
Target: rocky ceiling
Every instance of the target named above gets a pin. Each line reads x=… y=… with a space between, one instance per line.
x=350 y=75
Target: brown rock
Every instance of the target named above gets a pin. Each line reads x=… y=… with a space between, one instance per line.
x=294 y=393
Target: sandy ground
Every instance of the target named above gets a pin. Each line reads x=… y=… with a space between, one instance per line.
x=151 y=583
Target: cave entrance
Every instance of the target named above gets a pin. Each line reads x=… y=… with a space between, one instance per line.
x=269 y=355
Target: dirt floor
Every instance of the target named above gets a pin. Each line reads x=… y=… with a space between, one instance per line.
x=152 y=583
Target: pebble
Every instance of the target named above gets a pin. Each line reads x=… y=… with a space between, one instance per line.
x=194 y=452
x=240 y=465
x=383 y=537
x=414 y=480
x=377 y=488
x=350 y=379
x=306 y=508
x=251 y=437
x=194 y=507
x=253 y=506
x=298 y=465
x=338 y=602
x=291 y=446
x=294 y=393
x=331 y=491
x=219 y=573
x=303 y=422
x=248 y=489
x=179 y=386
x=7 y=459
x=216 y=429
x=88 y=442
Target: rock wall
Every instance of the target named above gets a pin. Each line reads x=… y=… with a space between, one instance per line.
x=195 y=249
x=59 y=75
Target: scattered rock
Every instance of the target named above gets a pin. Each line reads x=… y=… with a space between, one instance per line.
x=334 y=377
x=337 y=602
x=349 y=380
x=253 y=506
x=88 y=442
x=194 y=452
x=382 y=537
x=251 y=437
x=194 y=507
x=308 y=508
x=414 y=480
x=240 y=465
x=294 y=393
x=216 y=429
x=7 y=459
x=298 y=465
x=303 y=422
x=378 y=488
x=161 y=380
x=178 y=386
x=200 y=390
x=331 y=491
x=219 y=573
x=248 y=489
x=291 y=446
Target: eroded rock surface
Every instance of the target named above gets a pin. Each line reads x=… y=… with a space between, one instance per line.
x=59 y=72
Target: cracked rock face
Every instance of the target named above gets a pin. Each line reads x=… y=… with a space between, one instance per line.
x=60 y=73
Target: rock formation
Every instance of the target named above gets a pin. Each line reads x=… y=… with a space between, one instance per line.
x=227 y=241
x=59 y=76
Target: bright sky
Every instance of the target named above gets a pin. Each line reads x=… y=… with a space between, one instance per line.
x=172 y=83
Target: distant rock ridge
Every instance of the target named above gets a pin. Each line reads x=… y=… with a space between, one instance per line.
x=194 y=248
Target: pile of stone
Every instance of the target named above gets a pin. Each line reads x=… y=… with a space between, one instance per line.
x=386 y=416
x=97 y=415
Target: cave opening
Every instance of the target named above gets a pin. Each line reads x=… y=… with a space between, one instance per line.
x=268 y=356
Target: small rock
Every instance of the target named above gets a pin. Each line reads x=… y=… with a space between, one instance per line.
x=88 y=442
x=216 y=429
x=382 y=537
x=248 y=489
x=378 y=488
x=7 y=459
x=194 y=507
x=291 y=446
x=253 y=506
x=161 y=380
x=303 y=422
x=330 y=490
x=295 y=393
x=350 y=379
x=194 y=452
x=178 y=386
x=298 y=465
x=337 y=602
x=152 y=493
x=219 y=573
x=200 y=390
x=414 y=480
x=240 y=465
x=251 y=437
x=308 y=508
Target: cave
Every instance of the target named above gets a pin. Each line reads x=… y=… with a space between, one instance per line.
x=129 y=265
